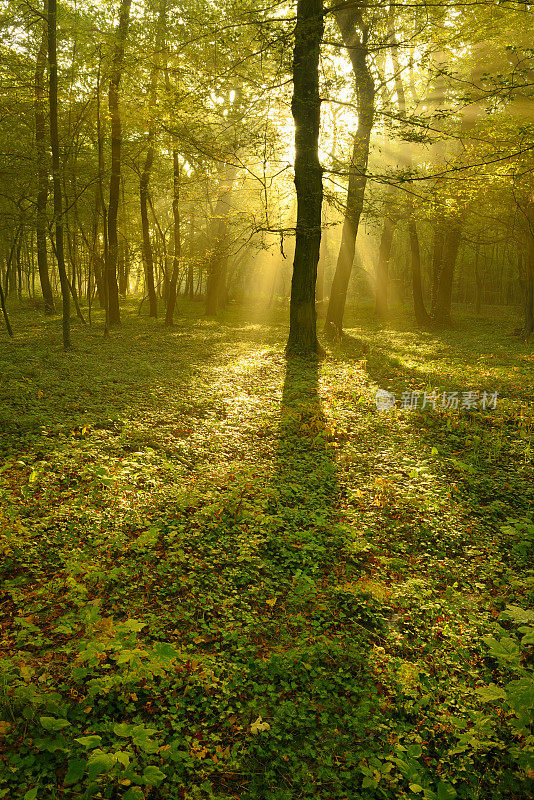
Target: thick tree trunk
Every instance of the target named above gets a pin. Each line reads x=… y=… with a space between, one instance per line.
x=346 y=20
x=56 y=176
x=42 y=171
x=111 y=285
x=306 y=109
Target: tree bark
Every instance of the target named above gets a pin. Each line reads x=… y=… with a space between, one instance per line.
x=111 y=285
x=4 y=311
x=529 y=267
x=42 y=172
x=171 y=299
x=478 y=279
x=56 y=175
x=219 y=241
x=148 y=258
x=365 y=89
x=421 y=315
x=382 y=267
x=306 y=109
x=441 y=305
x=100 y=206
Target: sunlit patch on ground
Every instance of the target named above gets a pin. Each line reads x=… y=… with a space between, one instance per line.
x=229 y=574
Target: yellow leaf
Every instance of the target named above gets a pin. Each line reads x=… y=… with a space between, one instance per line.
x=258 y=726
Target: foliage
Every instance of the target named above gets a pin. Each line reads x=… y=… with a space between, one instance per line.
x=227 y=578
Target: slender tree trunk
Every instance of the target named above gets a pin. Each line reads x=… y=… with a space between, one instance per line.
x=382 y=267
x=529 y=306
x=42 y=171
x=56 y=176
x=529 y=268
x=111 y=285
x=171 y=300
x=306 y=109
x=4 y=311
x=441 y=307
x=478 y=280
x=124 y=274
x=219 y=241
x=148 y=258
x=357 y=50
x=421 y=314
x=437 y=257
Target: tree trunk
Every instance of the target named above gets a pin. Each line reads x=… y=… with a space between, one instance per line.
x=148 y=258
x=306 y=109
x=219 y=241
x=357 y=50
x=421 y=315
x=478 y=279
x=56 y=176
x=171 y=300
x=382 y=268
x=529 y=267
x=111 y=285
x=4 y=311
x=441 y=307
x=42 y=171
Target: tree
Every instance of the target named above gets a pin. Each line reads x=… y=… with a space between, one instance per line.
x=149 y=161
x=306 y=110
x=349 y=19
x=42 y=171
x=111 y=285
x=56 y=174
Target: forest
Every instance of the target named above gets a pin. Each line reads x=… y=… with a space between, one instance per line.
x=266 y=400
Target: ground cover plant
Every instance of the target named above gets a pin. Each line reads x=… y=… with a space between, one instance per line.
x=228 y=575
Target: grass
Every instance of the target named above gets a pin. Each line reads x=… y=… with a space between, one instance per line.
x=225 y=576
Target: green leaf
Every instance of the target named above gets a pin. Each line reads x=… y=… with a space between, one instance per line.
x=528 y=637
x=505 y=649
x=100 y=763
x=31 y=794
x=165 y=651
x=75 y=770
x=133 y=625
x=153 y=775
x=414 y=750
x=123 y=729
x=446 y=791
x=135 y=793
x=518 y=615
x=416 y=788
x=521 y=694
x=122 y=757
x=53 y=724
x=491 y=693
x=89 y=741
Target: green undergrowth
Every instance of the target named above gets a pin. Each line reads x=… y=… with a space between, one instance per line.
x=228 y=576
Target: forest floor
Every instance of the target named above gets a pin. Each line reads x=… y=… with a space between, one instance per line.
x=228 y=577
